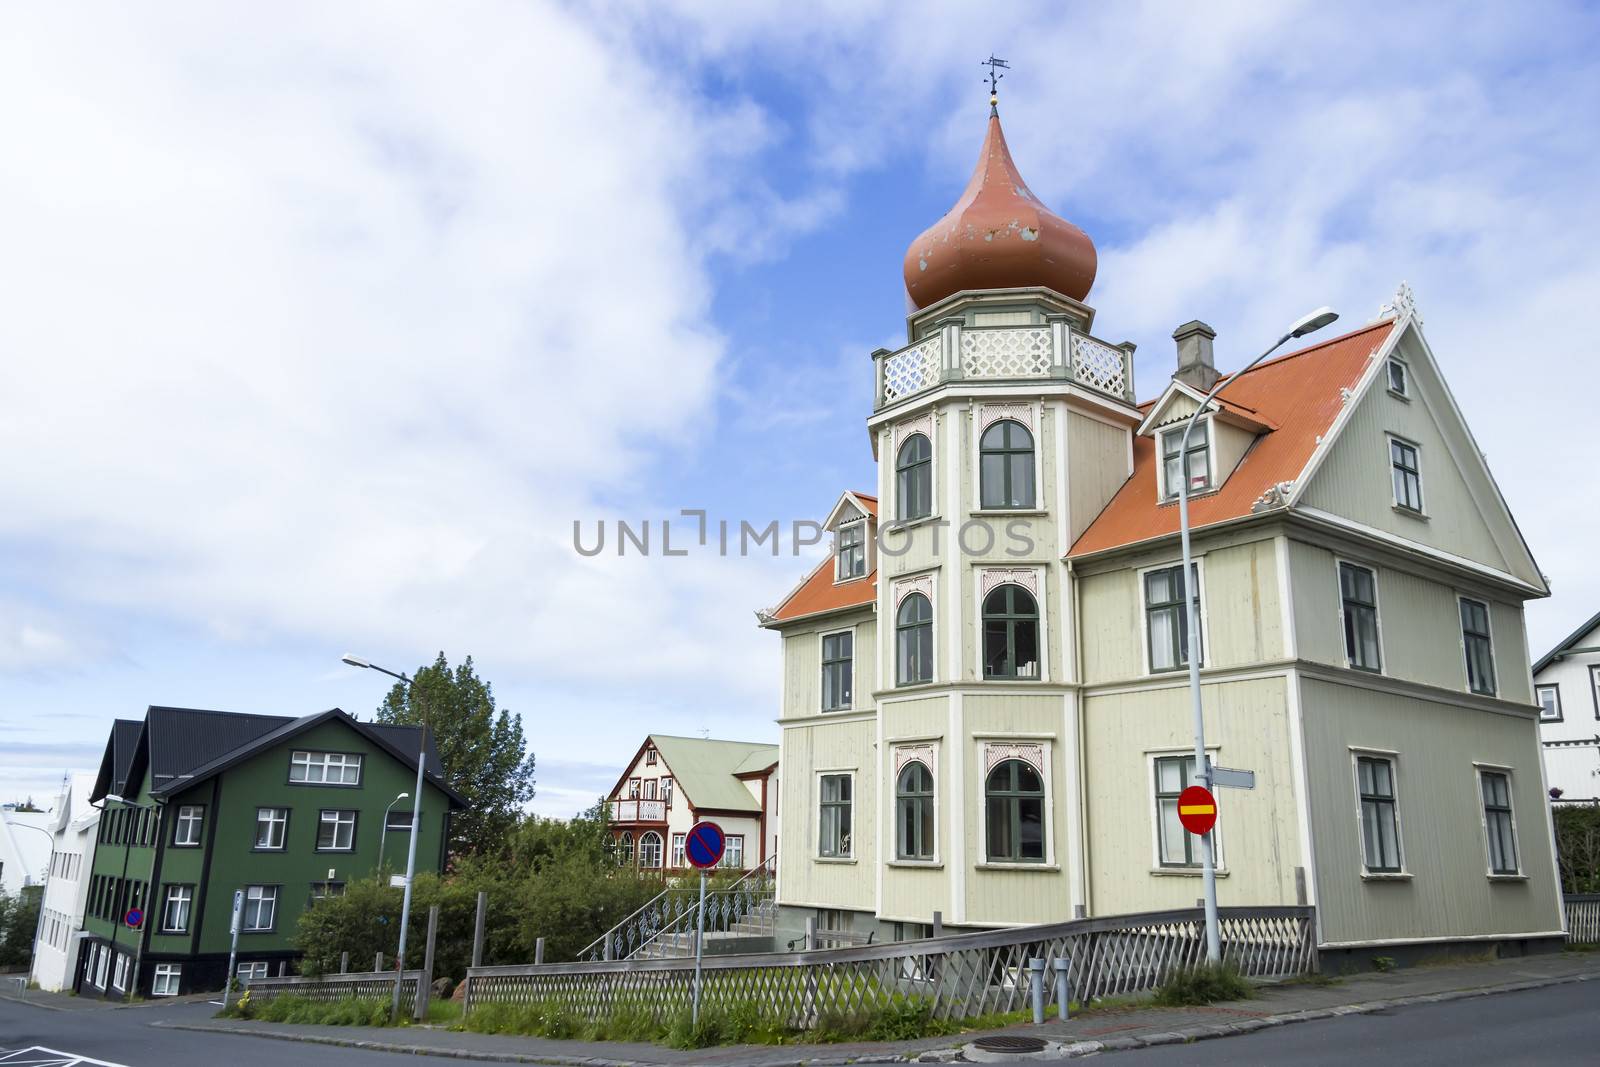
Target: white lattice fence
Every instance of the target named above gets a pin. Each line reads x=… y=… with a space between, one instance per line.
x=913 y=369
x=1014 y=352
x=1098 y=365
x=1583 y=918
x=367 y=985
x=961 y=976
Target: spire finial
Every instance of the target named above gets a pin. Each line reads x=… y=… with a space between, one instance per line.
x=995 y=67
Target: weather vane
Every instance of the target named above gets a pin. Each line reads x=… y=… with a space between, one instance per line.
x=995 y=67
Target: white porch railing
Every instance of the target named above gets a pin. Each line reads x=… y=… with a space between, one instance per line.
x=1005 y=353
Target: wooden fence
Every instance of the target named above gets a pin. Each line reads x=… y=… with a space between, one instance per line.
x=368 y=985
x=960 y=976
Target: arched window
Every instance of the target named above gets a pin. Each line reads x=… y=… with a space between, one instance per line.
x=650 y=849
x=1010 y=633
x=625 y=850
x=914 y=640
x=914 y=477
x=1014 y=795
x=1005 y=466
x=913 y=801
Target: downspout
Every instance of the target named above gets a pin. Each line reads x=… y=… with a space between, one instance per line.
x=1084 y=881
x=763 y=852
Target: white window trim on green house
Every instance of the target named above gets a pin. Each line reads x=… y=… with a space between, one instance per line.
x=264 y=900
x=166 y=980
x=1144 y=616
x=188 y=826
x=253 y=969
x=1401 y=872
x=275 y=822
x=176 y=905
x=316 y=768
x=340 y=828
x=1339 y=565
x=1167 y=441
x=1482 y=771
x=848 y=669
x=994 y=749
x=844 y=847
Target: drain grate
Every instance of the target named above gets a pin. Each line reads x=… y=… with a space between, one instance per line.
x=1007 y=1043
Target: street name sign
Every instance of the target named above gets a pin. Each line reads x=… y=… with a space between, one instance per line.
x=1229 y=778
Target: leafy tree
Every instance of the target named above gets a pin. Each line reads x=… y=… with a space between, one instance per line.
x=1578 y=847
x=483 y=749
x=19 y=918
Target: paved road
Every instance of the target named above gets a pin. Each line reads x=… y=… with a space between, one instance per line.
x=1560 y=1024
x=125 y=1038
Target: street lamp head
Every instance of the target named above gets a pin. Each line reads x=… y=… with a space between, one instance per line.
x=354 y=661
x=403 y=796
x=1313 y=322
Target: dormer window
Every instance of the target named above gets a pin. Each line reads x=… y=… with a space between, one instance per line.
x=1196 y=459
x=1399 y=378
x=852 y=551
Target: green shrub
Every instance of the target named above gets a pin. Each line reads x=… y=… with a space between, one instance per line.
x=906 y=1020
x=1205 y=984
x=687 y=1033
x=1383 y=964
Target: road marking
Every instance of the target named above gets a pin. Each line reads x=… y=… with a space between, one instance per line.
x=39 y=1056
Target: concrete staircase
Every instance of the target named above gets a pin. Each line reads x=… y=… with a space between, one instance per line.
x=753 y=932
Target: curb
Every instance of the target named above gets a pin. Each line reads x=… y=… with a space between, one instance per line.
x=1069 y=1049
x=1246 y=1026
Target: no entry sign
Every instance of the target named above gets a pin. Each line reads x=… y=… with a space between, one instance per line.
x=1197 y=809
x=704 y=844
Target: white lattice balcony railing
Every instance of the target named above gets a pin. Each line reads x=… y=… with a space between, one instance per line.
x=638 y=811
x=1054 y=351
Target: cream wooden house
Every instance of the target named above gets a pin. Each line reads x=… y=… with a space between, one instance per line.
x=1566 y=685
x=985 y=711
x=673 y=782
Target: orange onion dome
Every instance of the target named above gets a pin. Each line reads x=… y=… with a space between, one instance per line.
x=998 y=236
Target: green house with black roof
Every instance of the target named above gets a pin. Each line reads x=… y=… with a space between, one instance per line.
x=199 y=804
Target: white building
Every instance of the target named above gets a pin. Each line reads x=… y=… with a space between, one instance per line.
x=73 y=825
x=1567 y=682
x=23 y=849
x=673 y=782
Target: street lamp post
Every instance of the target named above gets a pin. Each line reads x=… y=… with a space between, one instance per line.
x=383 y=835
x=1316 y=320
x=416 y=830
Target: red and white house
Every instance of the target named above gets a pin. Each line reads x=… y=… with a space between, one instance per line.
x=673 y=782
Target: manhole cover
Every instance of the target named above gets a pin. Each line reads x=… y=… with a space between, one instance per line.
x=1006 y=1043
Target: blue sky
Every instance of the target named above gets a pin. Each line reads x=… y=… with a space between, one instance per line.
x=322 y=326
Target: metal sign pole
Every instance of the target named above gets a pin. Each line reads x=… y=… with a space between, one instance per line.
x=699 y=939
x=233 y=949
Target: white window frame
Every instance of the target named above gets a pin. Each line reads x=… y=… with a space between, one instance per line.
x=260 y=895
x=1594 y=687
x=165 y=982
x=1047 y=757
x=1393 y=759
x=1040 y=601
x=1209 y=422
x=1404 y=392
x=190 y=817
x=1377 y=607
x=1152 y=782
x=338 y=822
x=253 y=969
x=1461 y=630
x=660 y=850
x=183 y=896
x=305 y=761
x=273 y=821
x=849 y=855
x=1555 y=691
x=119 y=973
x=1390 y=440
x=1144 y=617
x=839 y=577
x=678 y=861
x=734 y=857
x=822 y=687
x=1035 y=417
x=1480 y=769
x=102 y=968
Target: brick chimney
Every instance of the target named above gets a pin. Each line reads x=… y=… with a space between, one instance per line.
x=1197 y=367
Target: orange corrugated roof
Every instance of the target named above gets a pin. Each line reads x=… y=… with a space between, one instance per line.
x=1298 y=393
x=820 y=593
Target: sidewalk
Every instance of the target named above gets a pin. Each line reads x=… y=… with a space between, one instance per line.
x=39 y=998
x=1097 y=1031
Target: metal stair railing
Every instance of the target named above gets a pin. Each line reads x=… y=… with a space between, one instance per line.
x=667 y=910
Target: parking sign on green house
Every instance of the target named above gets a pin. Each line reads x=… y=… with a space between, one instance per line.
x=200 y=804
